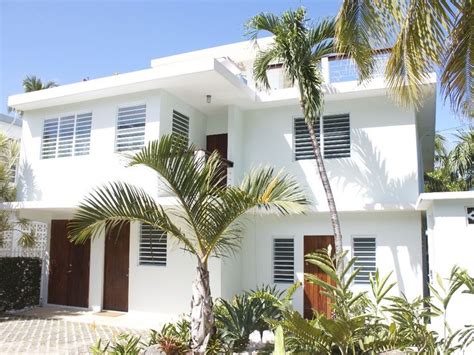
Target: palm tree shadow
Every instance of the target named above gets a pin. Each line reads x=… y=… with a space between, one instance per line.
x=367 y=173
x=27 y=189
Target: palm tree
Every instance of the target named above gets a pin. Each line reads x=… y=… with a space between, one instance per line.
x=33 y=83
x=205 y=220
x=299 y=49
x=424 y=35
x=461 y=158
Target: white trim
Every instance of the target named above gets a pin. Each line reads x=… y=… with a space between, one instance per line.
x=426 y=199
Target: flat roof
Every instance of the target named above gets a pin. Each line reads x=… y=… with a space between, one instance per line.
x=426 y=199
x=12 y=120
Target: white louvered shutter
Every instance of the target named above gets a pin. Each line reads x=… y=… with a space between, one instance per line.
x=50 y=138
x=365 y=254
x=66 y=136
x=283 y=260
x=130 y=128
x=336 y=136
x=153 y=246
x=302 y=139
x=82 y=135
x=180 y=126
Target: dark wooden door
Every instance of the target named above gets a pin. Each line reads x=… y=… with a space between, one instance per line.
x=313 y=299
x=116 y=268
x=219 y=142
x=68 y=269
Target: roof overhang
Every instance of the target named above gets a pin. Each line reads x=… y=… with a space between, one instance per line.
x=425 y=200
x=191 y=81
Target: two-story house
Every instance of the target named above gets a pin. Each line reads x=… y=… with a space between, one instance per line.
x=75 y=135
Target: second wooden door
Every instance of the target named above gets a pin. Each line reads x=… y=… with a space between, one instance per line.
x=116 y=269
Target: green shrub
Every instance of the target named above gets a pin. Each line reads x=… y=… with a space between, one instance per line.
x=20 y=280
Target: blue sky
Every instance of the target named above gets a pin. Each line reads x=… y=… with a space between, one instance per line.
x=67 y=41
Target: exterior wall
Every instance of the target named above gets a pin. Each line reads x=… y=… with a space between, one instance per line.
x=382 y=169
x=11 y=130
x=398 y=240
x=450 y=243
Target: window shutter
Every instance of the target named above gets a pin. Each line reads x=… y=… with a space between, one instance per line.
x=82 y=134
x=336 y=136
x=66 y=136
x=303 y=146
x=130 y=128
x=470 y=215
x=180 y=126
x=365 y=254
x=283 y=260
x=50 y=137
x=153 y=246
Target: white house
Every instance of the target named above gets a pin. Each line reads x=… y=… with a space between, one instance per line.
x=450 y=232
x=74 y=136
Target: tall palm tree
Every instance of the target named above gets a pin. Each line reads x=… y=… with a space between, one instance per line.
x=299 y=48
x=461 y=158
x=424 y=36
x=33 y=83
x=205 y=220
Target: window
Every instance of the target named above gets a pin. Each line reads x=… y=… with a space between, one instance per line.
x=153 y=246
x=470 y=215
x=180 y=126
x=66 y=136
x=335 y=138
x=283 y=260
x=364 y=251
x=130 y=134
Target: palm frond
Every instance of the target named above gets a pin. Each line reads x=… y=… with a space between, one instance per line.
x=261 y=64
x=321 y=38
x=458 y=70
x=262 y=22
x=115 y=204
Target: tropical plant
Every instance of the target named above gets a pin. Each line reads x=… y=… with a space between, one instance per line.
x=173 y=339
x=424 y=36
x=124 y=344
x=375 y=322
x=33 y=83
x=299 y=48
x=454 y=170
x=9 y=153
x=270 y=300
x=205 y=219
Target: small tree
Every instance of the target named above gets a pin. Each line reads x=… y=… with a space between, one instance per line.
x=205 y=220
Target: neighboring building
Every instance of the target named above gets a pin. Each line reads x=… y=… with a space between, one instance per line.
x=11 y=126
x=450 y=234
x=375 y=154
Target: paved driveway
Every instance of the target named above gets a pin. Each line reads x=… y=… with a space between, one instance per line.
x=41 y=335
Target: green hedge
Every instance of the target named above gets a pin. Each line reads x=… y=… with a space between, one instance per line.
x=20 y=280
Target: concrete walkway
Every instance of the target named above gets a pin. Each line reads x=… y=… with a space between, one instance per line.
x=52 y=330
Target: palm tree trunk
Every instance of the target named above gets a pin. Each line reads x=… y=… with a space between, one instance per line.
x=202 y=318
x=336 y=227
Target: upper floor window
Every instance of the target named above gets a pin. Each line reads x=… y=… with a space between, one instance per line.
x=130 y=133
x=66 y=136
x=364 y=251
x=180 y=126
x=153 y=246
x=335 y=137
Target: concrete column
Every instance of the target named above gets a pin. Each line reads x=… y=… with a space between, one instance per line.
x=235 y=134
x=96 y=273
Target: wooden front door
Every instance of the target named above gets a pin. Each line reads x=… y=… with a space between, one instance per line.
x=68 y=269
x=313 y=299
x=117 y=250
x=219 y=142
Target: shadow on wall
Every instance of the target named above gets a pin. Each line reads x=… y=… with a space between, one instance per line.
x=27 y=190
x=368 y=173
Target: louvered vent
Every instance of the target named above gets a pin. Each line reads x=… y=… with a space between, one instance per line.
x=283 y=260
x=180 y=126
x=470 y=215
x=153 y=246
x=336 y=136
x=130 y=128
x=365 y=254
x=303 y=146
x=66 y=136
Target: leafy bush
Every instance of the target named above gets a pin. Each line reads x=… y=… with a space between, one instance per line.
x=20 y=280
x=174 y=338
x=124 y=344
x=374 y=323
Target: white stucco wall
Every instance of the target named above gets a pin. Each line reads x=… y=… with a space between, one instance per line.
x=398 y=240
x=382 y=169
x=450 y=243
